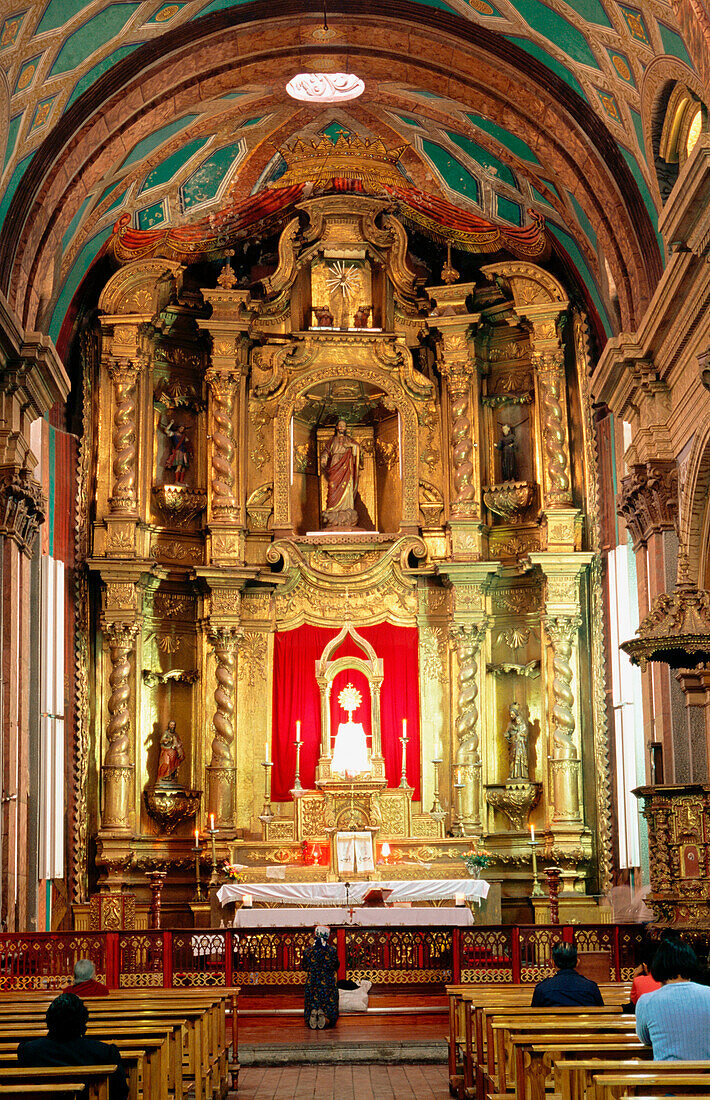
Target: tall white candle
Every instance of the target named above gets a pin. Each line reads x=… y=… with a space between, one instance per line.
x=532 y=833
x=298 y=729
x=404 y=727
x=266 y=751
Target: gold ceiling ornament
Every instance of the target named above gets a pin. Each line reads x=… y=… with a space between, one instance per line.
x=349 y=157
x=676 y=630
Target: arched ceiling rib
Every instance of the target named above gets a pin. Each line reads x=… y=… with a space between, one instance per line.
x=170 y=111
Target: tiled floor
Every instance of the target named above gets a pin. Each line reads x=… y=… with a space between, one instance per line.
x=344 y=1083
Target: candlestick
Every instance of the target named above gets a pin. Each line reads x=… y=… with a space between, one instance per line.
x=457 y=822
x=536 y=889
x=297 y=789
x=267 y=814
x=214 y=878
x=532 y=833
x=199 y=893
x=437 y=810
x=266 y=751
x=403 y=742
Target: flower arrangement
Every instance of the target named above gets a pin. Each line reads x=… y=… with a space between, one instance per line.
x=232 y=871
x=476 y=860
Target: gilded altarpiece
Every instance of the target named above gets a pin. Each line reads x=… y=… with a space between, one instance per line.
x=210 y=410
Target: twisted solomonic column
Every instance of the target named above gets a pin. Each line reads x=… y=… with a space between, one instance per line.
x=118 y=766
x=468 y=638
x=223 y=388
x=462 y=457
x=221 y=770
x=550 y=372
x=562 y=632
x=124 y=376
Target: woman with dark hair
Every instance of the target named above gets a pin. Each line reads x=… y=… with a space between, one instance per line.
x=675 y=1019
x=321 y=962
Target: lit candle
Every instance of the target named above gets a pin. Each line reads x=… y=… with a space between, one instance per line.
x=404 y=727
x=298 y=730
x=532 y=833
x=247 y=901
x=460 y=899
x=385 y=849
x=266 y=750
x=458 y=776
x=211 y=823
x=197 y=838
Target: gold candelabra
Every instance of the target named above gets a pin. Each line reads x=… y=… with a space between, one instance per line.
x=457 y=823
x=537 y=891
x=403 y=742
x=267 y=814
x=297 y=789
x=199 y=892
x=214 y=877
x=437 y=810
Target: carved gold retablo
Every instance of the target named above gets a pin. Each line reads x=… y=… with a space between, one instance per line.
x=509 y=499
x=676 y=630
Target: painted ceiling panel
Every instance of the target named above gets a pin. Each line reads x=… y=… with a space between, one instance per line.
x=485 y=159
x=205 y=181
x=551 y=62
x=57 y=13
x=148 y=144
x=172 y=164
x=454 y=174
x=510 y=141
x=91 y=36
x=98 y=70
x=558 y=30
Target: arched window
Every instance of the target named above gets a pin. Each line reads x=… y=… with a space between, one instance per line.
x=682 y=124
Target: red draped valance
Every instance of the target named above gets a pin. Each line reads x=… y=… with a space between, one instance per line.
x=296 y=696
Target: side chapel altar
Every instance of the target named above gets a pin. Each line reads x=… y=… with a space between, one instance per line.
x=339 y=587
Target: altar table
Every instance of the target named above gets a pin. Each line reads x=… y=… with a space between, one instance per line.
x=395 y=916
x=335 y=893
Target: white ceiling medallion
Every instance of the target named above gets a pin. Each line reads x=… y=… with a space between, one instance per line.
x=325 y=87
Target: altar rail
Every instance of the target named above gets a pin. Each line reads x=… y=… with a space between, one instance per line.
x=270 y=959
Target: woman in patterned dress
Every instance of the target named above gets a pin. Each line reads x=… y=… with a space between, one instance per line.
x=321 y=962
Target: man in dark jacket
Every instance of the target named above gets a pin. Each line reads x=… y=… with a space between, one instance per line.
x=66 y=1044
x=566 y=988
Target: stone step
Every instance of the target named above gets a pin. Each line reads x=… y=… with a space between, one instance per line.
x=347 y=1052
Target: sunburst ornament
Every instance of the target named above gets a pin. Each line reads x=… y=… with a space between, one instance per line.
x=350 y=699
x=343 y=277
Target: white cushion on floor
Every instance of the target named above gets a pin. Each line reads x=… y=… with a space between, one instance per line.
x=354 y=1000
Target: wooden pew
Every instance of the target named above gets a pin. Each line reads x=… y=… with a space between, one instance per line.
x=613 y=1086
x=467 y=1040
x=574 y=1080
x=132 y=1058
x=584 y=1027
x=95 y=1078
x=71 y=1089
x=535 y=1058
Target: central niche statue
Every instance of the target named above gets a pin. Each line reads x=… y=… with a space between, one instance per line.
x=340 y=464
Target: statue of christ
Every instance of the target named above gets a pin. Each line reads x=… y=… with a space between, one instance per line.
x=350 y=755
x=340 y=463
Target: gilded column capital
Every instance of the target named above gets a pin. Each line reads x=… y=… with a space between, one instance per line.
x=22 y=507
x=648 y=501
x=562 y=630
x=119 y=633
x=223 y=637
x=469 y=633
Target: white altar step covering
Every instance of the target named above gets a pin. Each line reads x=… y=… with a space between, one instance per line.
x=389 y=917
x=334 y=893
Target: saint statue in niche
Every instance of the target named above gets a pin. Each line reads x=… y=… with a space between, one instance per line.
x=340 y=464
x=178 y=460
x=508 y=459
x=350 y=755
x=517 y=735
x=171 y=757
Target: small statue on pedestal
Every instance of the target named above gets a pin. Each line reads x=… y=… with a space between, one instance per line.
x=508 y=459
x=517 y=735
x=171 y=757
x=178 y=460
x=361 y=315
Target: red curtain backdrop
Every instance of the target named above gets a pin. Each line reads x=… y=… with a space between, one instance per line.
x=296 y=696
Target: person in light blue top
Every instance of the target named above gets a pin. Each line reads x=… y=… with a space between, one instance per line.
x=675 y=1019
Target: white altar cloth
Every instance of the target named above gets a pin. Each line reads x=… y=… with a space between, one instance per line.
x=450 y=916
x=334 y=893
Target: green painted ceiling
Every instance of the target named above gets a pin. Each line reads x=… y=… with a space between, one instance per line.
x=52 y=52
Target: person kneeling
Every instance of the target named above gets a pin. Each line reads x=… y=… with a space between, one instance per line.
x=66 y=1044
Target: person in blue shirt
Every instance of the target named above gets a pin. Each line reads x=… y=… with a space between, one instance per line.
x=567 y=988
x=675 y=1019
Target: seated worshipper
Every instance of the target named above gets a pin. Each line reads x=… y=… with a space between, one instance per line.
x=566 y=987
x=85 y=984
x=644 y=981
x=675 y=1019
x=321 y=962
x=66 y=1044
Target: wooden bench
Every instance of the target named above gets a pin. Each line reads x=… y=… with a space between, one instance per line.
x=614 y=1086
x=536 y=1057
x=94 y=1078
x=574 y=1079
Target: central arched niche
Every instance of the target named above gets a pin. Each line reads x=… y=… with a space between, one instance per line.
x=373 y=421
